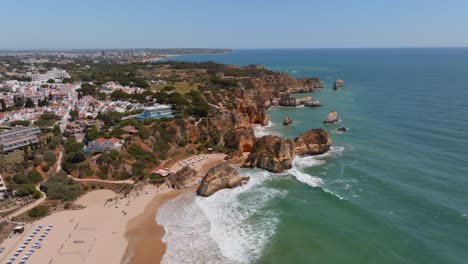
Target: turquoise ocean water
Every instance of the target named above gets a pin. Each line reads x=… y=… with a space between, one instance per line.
x=394 y=188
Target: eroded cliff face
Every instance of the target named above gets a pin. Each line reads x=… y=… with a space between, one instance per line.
x=306 y=85
x=269 y=90
x=227 y=119
x=220 y=177
x=271 y=153
x=241 y=138
x=313 y=142
x=276 y=154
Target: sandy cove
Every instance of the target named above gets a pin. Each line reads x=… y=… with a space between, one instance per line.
x=94 y=234
x=110 y=229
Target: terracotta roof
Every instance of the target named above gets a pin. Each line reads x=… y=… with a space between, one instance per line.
x=162 y=168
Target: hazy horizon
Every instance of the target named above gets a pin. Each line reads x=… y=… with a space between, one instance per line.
x=226 y=48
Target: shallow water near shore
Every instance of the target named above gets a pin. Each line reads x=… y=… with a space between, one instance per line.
x=393 y=189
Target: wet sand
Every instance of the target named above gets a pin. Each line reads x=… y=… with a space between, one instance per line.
x=144 y=235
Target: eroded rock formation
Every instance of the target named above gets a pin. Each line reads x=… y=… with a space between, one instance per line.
x=332 y=117
x=338 y=84
x=271 y=153
x=313 y=142
x=241 y=138
x=313 y=103
x=219 y=177
x=184 y=178
x=287 y=121
x=276 y=154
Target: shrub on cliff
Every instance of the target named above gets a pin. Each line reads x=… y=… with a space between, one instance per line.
x=38 y=211
x=61 y=187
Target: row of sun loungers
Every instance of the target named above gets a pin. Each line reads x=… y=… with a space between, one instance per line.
x=192 y=160
x=27 y=241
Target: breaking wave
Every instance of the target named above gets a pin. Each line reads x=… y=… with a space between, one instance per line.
x=231 y=226
x=261 y=131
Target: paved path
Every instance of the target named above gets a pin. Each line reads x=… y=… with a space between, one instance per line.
x=100 y=180
x=59 y=161
x=30 y=205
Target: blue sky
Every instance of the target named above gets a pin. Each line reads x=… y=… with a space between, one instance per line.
x=232 y=24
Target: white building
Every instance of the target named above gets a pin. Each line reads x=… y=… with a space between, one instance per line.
x=3 y=188
x=52 y=74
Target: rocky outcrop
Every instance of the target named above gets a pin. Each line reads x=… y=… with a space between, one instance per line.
x=342 y=129
x=241 y=138
x=313 y=142
x=271 y=153
x=227 y=119
x=276 y=154
x=184 y=178
x=332 y=117
x=306 y=85
x=268 y=88
x=338 y=84
x=287 y=121
x=220 y=177
x=313 y=103
x=286 y=100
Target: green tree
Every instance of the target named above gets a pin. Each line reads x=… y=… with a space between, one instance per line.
x=39 y=211
x=51 y=81
x=74 y=113
x=3 y=104
x=92 y=133
x=73 y=151
x=60 y=187
x=29 y=103
x=50 y=158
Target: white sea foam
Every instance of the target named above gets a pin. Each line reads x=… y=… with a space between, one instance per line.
x=232 y=226
x=309 y=161
x=187 y=233
x=261 y=131
x=305 y=178
x=299 y=163
x=333 y=152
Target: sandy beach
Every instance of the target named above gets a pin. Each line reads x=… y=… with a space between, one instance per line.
x=95 y=234
x=144 y=234
x=109 y=229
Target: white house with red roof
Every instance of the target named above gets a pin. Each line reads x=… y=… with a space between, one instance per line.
x=163 y=171
x=105 y=144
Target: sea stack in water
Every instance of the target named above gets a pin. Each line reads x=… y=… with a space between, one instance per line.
x=342 y=129
x=287 y=100
x=332 y=117
x=313 y=103
x=287 y=121
x=338 y=84
x=313 y=142
x=219 y=177
x=271 y=153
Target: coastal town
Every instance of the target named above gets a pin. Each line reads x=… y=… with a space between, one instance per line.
x=138 y=131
